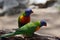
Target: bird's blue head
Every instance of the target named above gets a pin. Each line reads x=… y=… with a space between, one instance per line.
x=43 y=23
x=28 y=12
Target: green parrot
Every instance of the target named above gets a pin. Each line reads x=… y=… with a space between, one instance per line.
x=24 y=18
x=27 y=29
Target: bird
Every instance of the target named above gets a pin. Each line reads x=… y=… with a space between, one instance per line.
x=24 y=18
x=28 y=29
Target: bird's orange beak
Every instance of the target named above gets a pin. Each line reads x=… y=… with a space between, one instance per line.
x=31 y=11
x=45 y=25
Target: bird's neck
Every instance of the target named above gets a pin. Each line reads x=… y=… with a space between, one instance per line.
x=23 y=13
x=26 y=15
x=37 y=23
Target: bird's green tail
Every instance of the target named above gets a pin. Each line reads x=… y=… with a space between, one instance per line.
x=7 y=35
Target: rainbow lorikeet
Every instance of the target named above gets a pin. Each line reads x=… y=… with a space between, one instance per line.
x=27 y=29
x=24 y=18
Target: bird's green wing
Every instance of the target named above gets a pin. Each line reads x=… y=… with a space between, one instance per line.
x=27 y=29
x=18 y=21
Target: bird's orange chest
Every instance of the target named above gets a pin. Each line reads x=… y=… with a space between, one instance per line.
x=37 y=28
x=24 y=19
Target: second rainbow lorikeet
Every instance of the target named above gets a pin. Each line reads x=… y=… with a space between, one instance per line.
x=27 y=29
x=25 y=17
